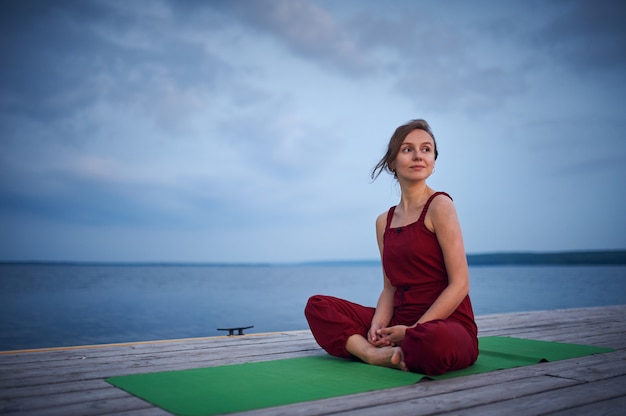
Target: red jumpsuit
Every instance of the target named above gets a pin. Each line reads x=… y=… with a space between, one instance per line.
x=414 y=264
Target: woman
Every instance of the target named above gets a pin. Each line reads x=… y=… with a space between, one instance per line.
x=423 y=321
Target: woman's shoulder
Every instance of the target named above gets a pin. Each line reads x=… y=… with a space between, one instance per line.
x=439 y=197
x=441 y=205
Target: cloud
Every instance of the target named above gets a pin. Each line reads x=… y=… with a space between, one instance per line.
x=304 y=27
x=438 y=63
x=35 y=36
x=588 y=35
x=94 y=52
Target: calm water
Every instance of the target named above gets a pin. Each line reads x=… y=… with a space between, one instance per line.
x=63 y=305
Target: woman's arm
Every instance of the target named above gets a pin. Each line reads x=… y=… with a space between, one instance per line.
x=384 y=307
x=442 y=219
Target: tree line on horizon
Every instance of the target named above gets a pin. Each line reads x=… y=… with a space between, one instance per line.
x=607 y=257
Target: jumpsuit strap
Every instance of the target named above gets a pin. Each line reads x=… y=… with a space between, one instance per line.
x=425 y=209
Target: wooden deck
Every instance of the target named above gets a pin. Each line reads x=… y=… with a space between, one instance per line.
x=70 y=381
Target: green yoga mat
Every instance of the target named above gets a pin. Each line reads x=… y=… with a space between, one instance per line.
x=241 y=387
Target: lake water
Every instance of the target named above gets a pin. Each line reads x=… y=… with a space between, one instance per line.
x=45 y=305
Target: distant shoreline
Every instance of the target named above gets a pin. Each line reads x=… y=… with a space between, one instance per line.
x=564 y=258
x=553 y=258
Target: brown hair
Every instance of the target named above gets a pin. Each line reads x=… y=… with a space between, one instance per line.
x=396 y=142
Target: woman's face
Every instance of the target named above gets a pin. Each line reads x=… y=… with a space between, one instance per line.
x=416 y=158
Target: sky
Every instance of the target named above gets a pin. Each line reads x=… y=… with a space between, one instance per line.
x=246 y=131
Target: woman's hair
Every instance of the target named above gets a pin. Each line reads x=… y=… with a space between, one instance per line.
x=396 y=142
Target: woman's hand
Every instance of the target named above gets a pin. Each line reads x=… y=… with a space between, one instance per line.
x=393 y=335
x=374 y=338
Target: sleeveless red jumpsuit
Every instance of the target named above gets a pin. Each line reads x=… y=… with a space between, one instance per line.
x=414 y=264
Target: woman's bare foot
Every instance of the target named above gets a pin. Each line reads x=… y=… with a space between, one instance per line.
x=397 y=359
x=391 y=357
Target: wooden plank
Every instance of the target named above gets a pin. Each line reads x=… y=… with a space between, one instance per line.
x=468 y=398
x=77 y=361
x=174 y=346
x=611 y=407
x=115 y=350
x=52 y=388
x=554 y=400
x=84 y=408
x=67 y=398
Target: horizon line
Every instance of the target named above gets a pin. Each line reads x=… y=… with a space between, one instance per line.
x=482 y=257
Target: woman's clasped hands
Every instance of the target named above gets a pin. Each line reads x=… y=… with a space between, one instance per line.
x=389 y=336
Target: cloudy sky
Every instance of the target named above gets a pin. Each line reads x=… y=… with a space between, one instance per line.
x=245 y=131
